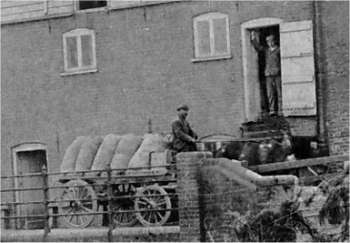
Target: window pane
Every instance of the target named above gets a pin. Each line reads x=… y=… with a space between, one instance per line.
x=220 y=37
x=86 y=49
x=72 y=54
x=84 y=4
x=203 y=41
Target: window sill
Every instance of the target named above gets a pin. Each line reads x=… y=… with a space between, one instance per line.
x=69 y=73
x=140 y=3
x=214 y=58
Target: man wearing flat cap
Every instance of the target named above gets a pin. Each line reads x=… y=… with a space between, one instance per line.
x=184 y=136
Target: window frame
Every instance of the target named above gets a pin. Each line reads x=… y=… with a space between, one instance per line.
x=78 y=33
x=77 y=10
x=213 y=55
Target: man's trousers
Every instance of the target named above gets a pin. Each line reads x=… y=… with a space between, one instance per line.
x=274 y=93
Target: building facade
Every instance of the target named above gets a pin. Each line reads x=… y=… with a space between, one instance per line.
x=70 y=69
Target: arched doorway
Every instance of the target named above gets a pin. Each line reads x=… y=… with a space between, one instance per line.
x=29 y=158
x=252 y=82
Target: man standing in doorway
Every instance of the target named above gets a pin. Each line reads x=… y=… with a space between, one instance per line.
x=184 y=136
x=272 y=72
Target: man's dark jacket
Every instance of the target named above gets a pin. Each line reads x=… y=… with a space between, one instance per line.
x=182 y=136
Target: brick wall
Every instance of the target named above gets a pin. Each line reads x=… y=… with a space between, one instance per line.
x=212 y=202
x=144 y=71
x=188 y=165
x=334 y=72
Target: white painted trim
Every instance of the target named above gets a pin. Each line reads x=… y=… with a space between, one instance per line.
x=255 y=23
x=94 y=70
x=77 y=33
x=209 y=17
x=214 y=58
x=24 y=147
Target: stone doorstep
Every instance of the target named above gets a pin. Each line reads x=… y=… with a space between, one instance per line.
x=84 y=234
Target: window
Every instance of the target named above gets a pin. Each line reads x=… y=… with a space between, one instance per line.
x=211 y=36
x=84 y=4
x=79 y=50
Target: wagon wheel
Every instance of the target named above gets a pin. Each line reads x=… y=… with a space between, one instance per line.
x=119 y=217
x=153 y=198
x=81 y=198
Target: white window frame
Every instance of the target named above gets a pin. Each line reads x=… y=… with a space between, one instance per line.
x=76 y=7
x=213 y=55
x=80 y=69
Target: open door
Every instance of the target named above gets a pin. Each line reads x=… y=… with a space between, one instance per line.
x=298 y=69
x=253 y=99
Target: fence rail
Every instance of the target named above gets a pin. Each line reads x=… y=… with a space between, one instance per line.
x=147 y=197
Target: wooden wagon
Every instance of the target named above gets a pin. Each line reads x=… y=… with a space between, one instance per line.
x=145 y=195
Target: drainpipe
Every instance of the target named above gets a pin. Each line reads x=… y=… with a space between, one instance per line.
x=321 y=85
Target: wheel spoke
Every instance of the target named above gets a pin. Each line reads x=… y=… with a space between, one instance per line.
x=153 y=197
x=68 y=211
x=70 y=217
x=87 y=209
x=159 y=214
x=161 y=203
x=141 y=201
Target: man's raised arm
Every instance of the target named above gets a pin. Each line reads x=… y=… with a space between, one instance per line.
x=255 y=42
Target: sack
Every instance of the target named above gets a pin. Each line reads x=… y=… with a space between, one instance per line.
x=71 y=154
x=105 y=153
x=87 y=153
x=126 y=148
x=151 y=143
x=168 y=140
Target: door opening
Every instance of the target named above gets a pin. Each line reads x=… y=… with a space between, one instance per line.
x=28 y=162
x=262 y=33
x=255 y=93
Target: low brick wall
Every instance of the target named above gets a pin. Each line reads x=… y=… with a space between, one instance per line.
x=215 y=194
x=135 y=234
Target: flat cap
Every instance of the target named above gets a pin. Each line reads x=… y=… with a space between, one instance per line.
x=183 y=107
x=270 y=37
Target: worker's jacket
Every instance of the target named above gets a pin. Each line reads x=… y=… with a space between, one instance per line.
x=182 y=133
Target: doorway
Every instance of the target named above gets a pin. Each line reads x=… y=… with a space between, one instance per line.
x=29 y=160
x=262 y=33
x=255 y=95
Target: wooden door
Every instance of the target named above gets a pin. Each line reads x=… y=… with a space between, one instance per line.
x=30 y=162
x=298 y=68
x=254 y=92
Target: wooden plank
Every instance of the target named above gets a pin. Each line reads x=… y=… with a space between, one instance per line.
x=9 y=4
x=60 y=7
x=19 y=10
x=298 y=163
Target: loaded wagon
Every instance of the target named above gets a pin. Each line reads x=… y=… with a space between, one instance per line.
x=144 y=193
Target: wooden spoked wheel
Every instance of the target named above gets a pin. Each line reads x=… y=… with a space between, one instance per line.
x=119 y=205
x=79 y=199
x=154 y=205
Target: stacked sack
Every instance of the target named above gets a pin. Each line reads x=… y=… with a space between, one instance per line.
x=126 y=148
x=87 y=153
x=105 y=153
x=119 y=152
x=152 y=143
x=71 y=154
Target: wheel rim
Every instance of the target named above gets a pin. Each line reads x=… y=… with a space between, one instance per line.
x=81 y=198
x=119 y=217
x=155 y=199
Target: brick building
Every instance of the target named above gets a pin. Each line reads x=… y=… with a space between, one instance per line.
x=71 y=69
